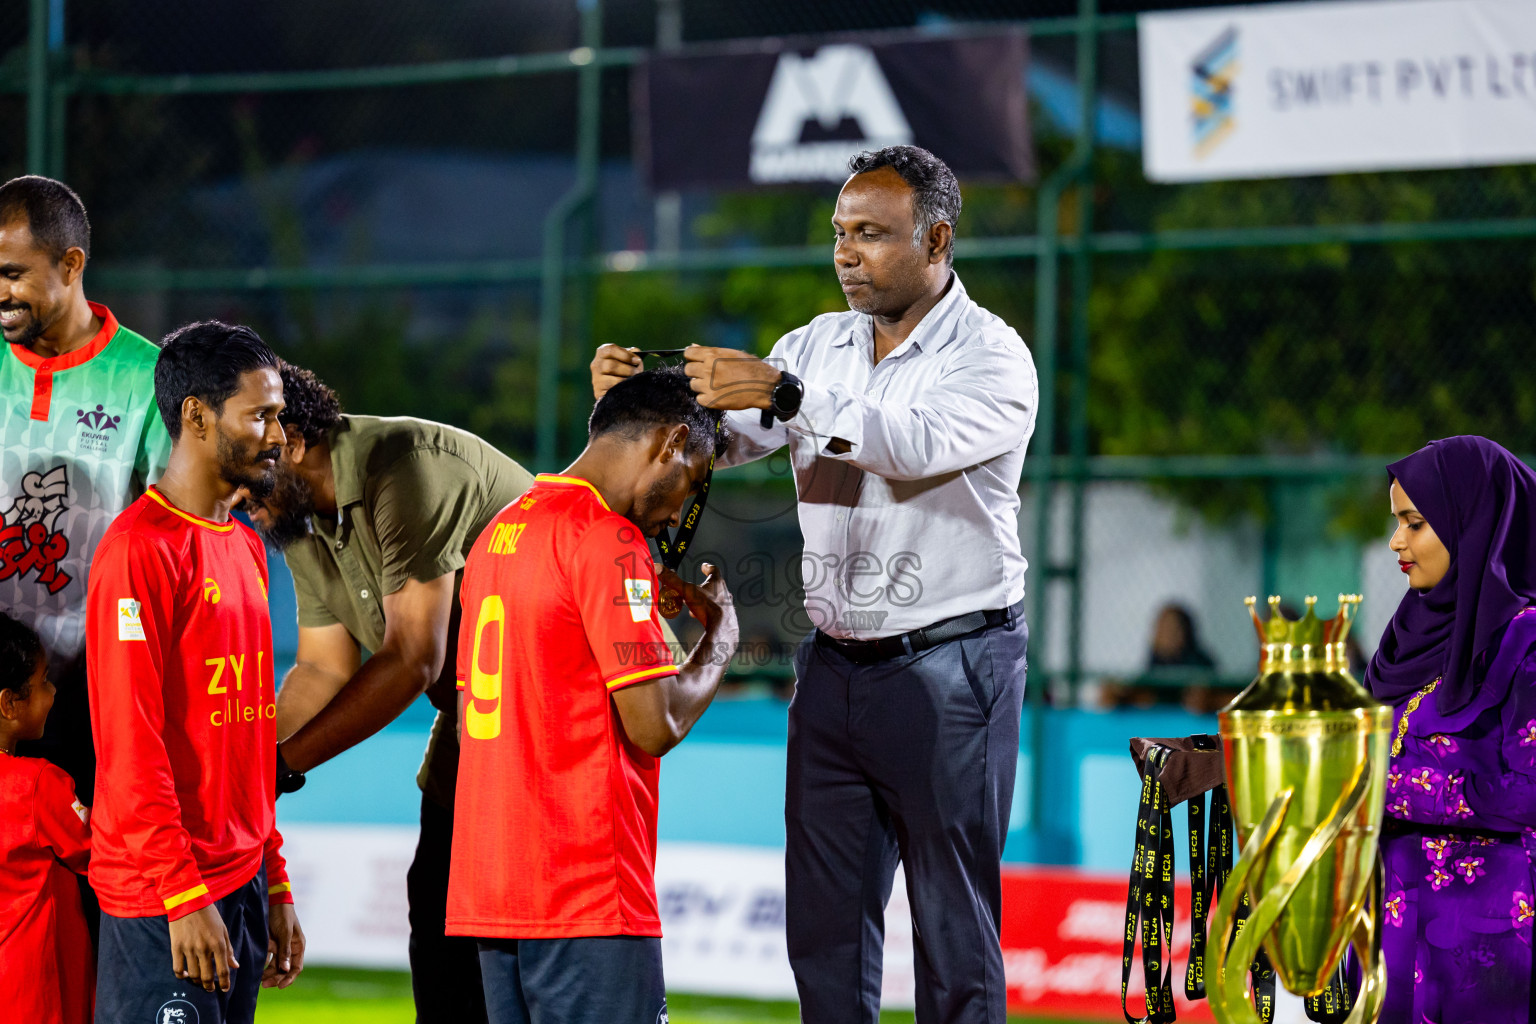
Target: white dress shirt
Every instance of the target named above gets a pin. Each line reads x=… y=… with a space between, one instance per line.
x=918 y=520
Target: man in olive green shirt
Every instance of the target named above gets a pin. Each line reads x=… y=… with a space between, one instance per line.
x=374 y=517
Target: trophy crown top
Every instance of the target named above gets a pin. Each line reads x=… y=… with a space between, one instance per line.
x=1307 y=630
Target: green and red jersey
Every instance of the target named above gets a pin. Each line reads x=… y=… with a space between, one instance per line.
x=554 y=832
x=80 y=439
x=179 y=663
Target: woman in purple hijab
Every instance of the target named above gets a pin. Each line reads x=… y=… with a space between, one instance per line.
x=1458 y=665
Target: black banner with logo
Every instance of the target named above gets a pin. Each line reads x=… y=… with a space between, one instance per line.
x=780 y=112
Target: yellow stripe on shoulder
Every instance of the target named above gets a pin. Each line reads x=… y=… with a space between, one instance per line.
x=273 y=890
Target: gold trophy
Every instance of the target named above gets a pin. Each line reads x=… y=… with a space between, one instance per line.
x=1306 y=761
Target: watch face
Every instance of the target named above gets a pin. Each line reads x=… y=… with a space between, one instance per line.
x=786 y=394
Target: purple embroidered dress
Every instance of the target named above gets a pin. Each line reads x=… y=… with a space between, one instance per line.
x=1460 y=828
x=1459 y=892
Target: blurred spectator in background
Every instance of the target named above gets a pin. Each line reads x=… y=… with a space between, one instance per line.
x=1174 y=642
x=1179 y=671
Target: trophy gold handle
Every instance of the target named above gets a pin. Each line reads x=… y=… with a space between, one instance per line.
x=1235 y=1005
x=1232 y=994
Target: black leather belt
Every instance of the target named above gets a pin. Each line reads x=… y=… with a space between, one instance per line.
x=866 y=652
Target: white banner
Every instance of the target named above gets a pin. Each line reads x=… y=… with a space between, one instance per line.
x=1316 y=88
x=722 y=910
x=722 y=917
x=349 y=892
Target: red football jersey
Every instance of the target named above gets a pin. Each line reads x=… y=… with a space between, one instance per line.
x=554 y=832
x=179 y=661
x=47 y=965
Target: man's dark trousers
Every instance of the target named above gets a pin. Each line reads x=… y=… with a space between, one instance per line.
x=445 y=969
x=911 y=758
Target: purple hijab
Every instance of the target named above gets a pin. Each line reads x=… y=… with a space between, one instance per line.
x=1481 y=501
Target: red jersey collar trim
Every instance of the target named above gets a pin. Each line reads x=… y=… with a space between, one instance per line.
x=155 y=495
x=84 y=354
x=572 y=481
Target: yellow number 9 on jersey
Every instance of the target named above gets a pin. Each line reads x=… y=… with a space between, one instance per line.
x=486 y=686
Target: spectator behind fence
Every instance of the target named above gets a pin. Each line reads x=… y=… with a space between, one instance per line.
x=1174 y=641
x=1179 y=671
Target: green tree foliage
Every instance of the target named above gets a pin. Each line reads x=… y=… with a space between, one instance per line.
x=1318 y=348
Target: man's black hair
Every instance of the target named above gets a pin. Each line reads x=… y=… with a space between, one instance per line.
x=935 y=192
x=205 y=360
x=312 y=409
x=659 y=397
x=20 y=651
x=54 y=214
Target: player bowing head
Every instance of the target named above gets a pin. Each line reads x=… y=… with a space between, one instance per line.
x=653 y=437
x=220 y=395
x=569 y=696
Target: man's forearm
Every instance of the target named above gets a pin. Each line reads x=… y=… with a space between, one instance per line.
x=384 y=687
x=306 y=690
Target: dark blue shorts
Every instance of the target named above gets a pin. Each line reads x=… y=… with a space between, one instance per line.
x=603 y=980
x=134 y=983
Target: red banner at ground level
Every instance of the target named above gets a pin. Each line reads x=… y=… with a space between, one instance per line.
x=1063 y=934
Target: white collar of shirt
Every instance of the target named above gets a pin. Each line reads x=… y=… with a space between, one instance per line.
x=862 y=331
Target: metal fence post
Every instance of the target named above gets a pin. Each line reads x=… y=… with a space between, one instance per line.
x=37 y=88
x=1043 y=447
x=669 y=204
x=552 y=290
x=1082 y=286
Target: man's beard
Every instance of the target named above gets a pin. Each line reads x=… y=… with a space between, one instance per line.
x=34 y=326
x=288 y=509
x=238 y=466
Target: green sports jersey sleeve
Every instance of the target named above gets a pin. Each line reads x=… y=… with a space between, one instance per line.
x=154 y=452
x=80 y=439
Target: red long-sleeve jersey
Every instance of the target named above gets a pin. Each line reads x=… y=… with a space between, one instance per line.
x=47 y=966
x=179 y=658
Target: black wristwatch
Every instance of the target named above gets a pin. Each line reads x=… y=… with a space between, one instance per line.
x=288 y=780
x=784 y=402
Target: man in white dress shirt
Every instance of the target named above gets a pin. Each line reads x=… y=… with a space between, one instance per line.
x=906 y=419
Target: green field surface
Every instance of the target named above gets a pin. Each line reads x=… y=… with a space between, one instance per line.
x=338 y=995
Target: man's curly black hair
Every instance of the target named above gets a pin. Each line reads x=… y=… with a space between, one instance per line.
x=661 y=397
x=20 y=651
x=312 y=408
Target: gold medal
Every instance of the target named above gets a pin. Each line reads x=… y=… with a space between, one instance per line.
x=669 y=604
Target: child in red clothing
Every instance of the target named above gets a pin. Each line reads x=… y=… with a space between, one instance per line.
x=47 y=967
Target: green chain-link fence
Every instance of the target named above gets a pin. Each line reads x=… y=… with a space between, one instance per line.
x=435 y=207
